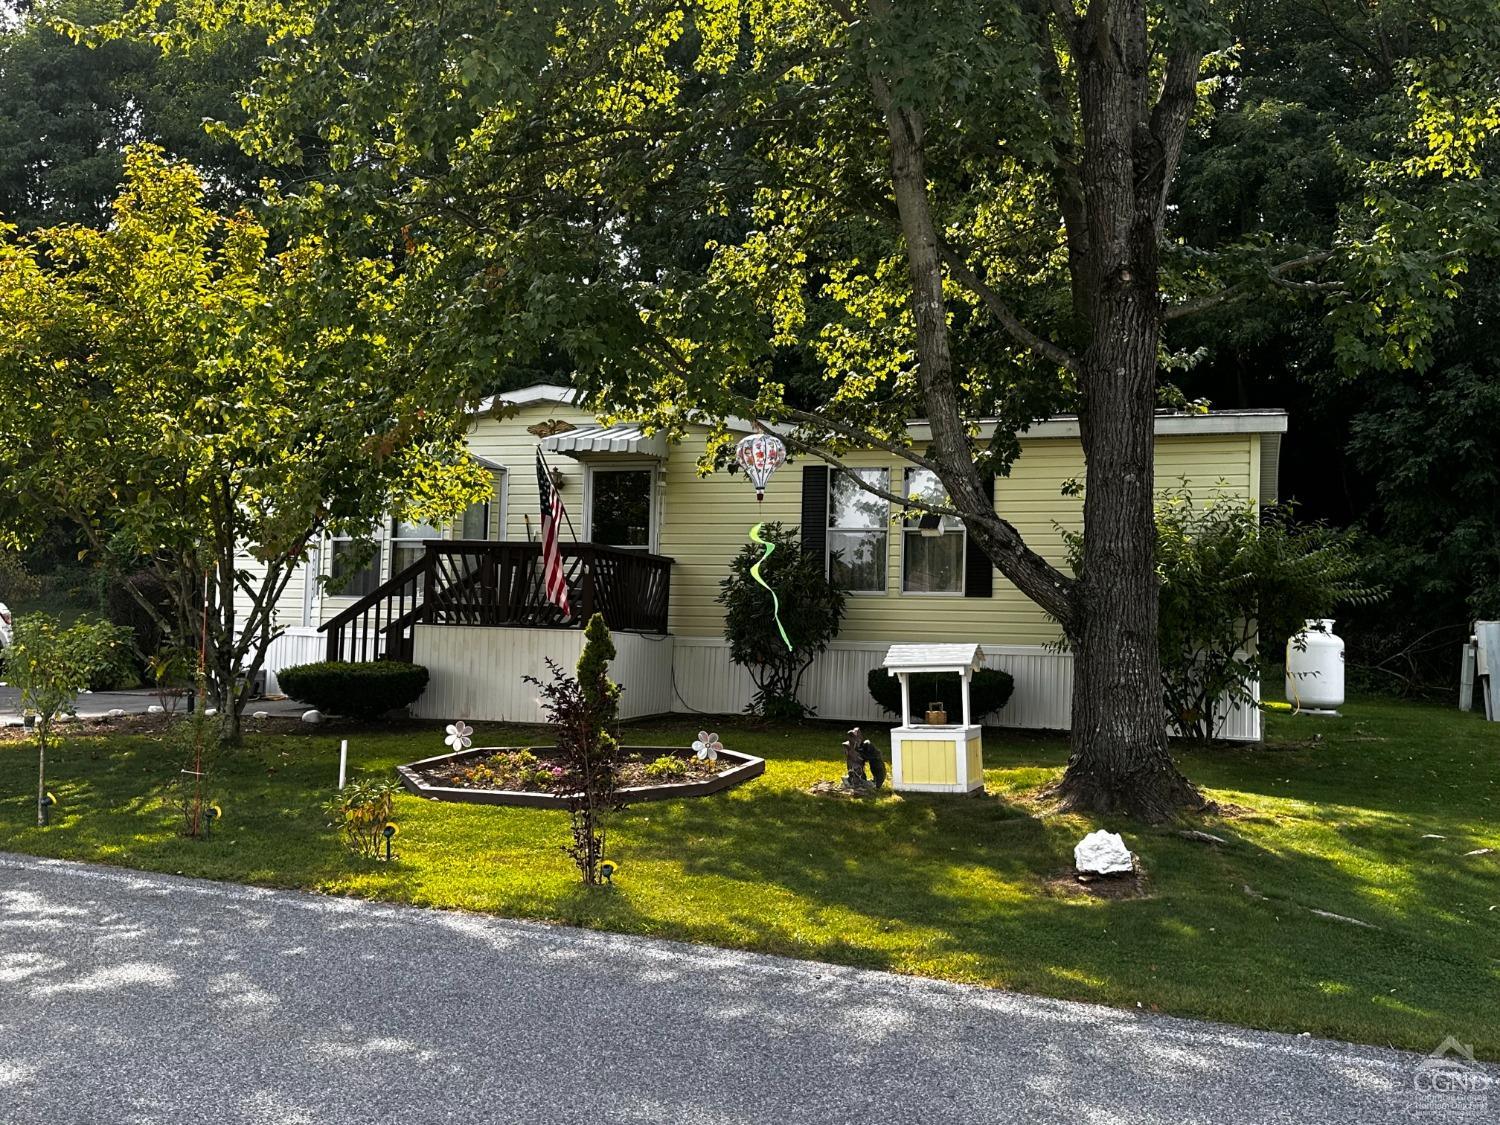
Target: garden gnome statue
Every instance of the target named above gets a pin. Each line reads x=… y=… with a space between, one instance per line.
x=860 y=752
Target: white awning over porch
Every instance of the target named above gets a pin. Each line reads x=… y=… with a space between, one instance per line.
x=623 y=438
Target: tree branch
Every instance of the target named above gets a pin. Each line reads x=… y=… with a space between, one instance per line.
x=1170 y=116
x=1002 y=312
x=1274 y=275
x=874 y=490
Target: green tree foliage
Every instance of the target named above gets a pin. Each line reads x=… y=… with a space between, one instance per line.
x=1424 y=443
x=188 y=397
x=69 y=110
x=581 y=711
x=1235 y=588
x=842 y=216
x=51 y=665
x=811 y=608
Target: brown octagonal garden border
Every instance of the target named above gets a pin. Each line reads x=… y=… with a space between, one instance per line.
x=741 y=768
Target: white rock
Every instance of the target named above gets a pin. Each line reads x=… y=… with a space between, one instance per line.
x=1102 y=853
x=210 y=712
x=156 y=709
x=261 y=715
x=116 y=712
x=312 y=716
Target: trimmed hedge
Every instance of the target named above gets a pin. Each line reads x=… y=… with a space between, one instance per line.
x=989 y=690
x=360 y=691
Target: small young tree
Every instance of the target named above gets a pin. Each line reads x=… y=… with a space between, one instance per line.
x=1235 y=586
x=581 y=711
x=192 y=398
x=50 y=665
x=812 y=608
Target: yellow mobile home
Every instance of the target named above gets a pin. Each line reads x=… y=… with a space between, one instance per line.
x=649 y=540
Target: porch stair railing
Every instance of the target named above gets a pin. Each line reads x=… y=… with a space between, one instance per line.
x=478 y=582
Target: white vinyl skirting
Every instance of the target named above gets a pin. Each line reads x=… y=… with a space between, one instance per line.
x=477 y=673
x=298 y=645
x=704 y=679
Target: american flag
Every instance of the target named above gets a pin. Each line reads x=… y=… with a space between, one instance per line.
x=554 y=581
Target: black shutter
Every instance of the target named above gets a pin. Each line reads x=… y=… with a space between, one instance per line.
x=814 y=510
x=979 y=572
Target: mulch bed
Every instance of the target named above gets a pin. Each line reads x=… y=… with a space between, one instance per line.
x=1123 y=886
x=469 y=773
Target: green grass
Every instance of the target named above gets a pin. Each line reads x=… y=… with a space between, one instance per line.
x=945 y=887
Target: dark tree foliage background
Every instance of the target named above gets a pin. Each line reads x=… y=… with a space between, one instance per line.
x=68 y=111
x=1410 y=455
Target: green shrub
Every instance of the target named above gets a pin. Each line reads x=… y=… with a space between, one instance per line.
x=360 y=811
x=989 y=690
x=1236 y=583
x=811 y=609
x=360 y=691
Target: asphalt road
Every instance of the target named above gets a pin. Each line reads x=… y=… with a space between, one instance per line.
x=129 y=998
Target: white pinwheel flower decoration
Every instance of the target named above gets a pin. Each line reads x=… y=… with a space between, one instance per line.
x=458 y=735
x=707 y=746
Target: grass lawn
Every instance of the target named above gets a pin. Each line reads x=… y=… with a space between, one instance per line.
x=1372 y=822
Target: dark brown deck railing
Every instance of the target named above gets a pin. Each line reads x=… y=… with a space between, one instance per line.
x=478 y=582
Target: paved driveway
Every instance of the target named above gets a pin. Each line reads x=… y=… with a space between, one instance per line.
x=95 y=704
x=129 y=998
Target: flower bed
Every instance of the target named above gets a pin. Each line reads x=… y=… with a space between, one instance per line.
x=533 y=775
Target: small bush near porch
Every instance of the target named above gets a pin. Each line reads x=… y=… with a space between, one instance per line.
x=1376 y=822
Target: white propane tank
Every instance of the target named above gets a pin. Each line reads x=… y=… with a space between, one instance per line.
x=1315 y=671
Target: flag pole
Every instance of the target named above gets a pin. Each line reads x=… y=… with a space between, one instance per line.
x=540 y=456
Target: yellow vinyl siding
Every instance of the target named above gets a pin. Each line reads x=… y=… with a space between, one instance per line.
x=288 y=610
x=706 y=520
x=703 y=522
x=507 y=443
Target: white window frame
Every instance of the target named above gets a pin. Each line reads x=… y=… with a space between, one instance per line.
x=499 y=497
x=652 y=468
x=382 y=562
x=885 y=528
x=962 y=529
x=395 y=541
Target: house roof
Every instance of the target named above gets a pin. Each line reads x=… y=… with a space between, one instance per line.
x=1257 y=421
x=621 y=438
x=932 y=658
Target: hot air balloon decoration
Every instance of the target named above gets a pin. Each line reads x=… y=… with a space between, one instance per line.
x=760 y=455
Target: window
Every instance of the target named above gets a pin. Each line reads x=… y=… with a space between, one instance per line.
x=406 y=543
x=620 y=507
x=486 y=519
x=932 y=551
x=347 y=578
x=857 y=529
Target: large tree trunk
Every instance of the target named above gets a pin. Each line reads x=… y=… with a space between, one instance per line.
x=1120 y=761
x=1112 y=202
